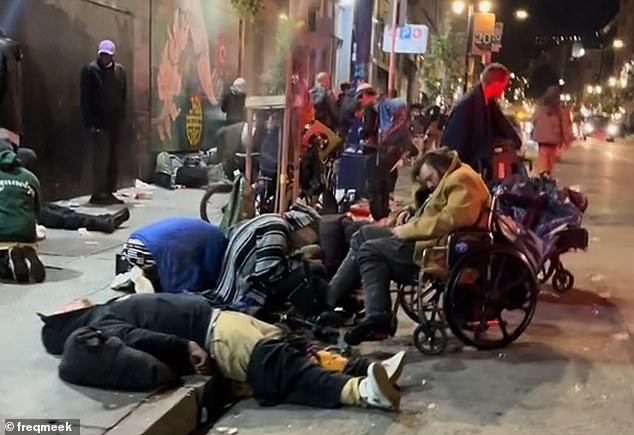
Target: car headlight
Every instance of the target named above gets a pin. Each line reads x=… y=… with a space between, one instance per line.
x=588 y=128
x=612 y=130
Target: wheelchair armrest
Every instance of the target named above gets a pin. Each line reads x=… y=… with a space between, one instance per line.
x=244 y=155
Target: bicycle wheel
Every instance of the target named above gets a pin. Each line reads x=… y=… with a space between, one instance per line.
x=205 y=202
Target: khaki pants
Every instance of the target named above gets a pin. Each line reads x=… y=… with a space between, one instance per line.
x=546 y=157
x=233 y=340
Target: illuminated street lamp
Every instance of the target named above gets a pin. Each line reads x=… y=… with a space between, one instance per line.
x=612 y=82
x=521 y=14
x=598 y=90
x=485 y=6
x=562 y=82
x=618 y=44
x=590 y=89
x=458 y=7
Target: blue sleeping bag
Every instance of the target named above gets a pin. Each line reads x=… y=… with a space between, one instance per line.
x=188 y=253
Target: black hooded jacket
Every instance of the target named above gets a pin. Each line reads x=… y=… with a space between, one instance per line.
x=160 y=324
x=10 y=85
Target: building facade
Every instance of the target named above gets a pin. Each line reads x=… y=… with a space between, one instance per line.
x=427 y=12
x=180 y=55
x=625 y=33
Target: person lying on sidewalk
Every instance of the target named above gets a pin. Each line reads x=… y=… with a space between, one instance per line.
x=187 y=334
x=55 y=216
x=259 y=271
x=379 y=255
x=19 y=206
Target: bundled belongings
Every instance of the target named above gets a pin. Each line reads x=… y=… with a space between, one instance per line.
x=184 y=254
x=554 y=214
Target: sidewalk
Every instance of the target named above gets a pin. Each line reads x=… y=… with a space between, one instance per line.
x=571 y=372
x=79 y=267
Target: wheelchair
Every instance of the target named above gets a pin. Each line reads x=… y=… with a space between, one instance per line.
x=486 y=276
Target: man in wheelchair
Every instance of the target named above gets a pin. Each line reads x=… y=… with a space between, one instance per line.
x=448 y=196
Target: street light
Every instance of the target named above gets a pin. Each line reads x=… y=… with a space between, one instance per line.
x=618 y=44
x=521 y=14
x=562 y=82
x=612 y=82
x=590 y=89
x=598 y=90
x=458 y=7
x=485 y=6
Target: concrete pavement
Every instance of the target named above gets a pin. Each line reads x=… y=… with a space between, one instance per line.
x=571 y=373
x=78 y=267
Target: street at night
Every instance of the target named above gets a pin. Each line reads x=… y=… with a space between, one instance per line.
x=363 y=217
x=571 y=373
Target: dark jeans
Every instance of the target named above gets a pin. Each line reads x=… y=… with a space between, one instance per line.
x=380 y=183
x=57 y=216
x=374 y=260
x=106 y=155
x=278 y=373
x=5 y=270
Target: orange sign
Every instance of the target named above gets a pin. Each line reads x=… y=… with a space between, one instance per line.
x=483 y=34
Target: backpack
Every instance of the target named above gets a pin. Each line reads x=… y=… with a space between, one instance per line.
x=347 y=109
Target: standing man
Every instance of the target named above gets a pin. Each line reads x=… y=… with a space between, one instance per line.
x=103 y=101
x=10 y=90
x=234 y=102
x=477 y=123
x=324 y=101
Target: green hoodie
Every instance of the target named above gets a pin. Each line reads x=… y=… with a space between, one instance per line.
x=19 y=201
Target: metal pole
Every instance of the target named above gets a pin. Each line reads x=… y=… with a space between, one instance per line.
x=391 y=73
x=469 y=38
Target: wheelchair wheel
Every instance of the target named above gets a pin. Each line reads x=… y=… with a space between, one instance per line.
x=563 y=280
x=206 y=202
x=419 y=302
x=490 y=298
x=547 y=270
x=430 y=338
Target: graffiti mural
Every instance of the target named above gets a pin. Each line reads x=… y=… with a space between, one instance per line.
x=194 y=55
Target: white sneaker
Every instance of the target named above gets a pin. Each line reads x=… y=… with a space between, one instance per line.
x=377 y=391
x=394 y=366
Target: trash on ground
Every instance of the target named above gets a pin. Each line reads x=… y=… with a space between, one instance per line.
x=596 y=277
x=577 y=388
x=83 y=232
x=431 y=406
x=621 y=336
x=227 y=430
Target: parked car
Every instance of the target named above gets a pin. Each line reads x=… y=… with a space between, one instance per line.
x=602 y=127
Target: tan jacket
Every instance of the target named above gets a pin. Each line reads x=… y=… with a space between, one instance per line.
x=461 y=200
x=552 y=126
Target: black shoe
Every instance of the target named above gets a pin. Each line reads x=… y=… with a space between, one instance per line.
x=120 y=217
x=376 y=328
x=113 y=200
x=36 y=268
x=18 y=266
x=98 y=199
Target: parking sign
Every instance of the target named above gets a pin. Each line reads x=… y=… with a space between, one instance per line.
x=410 y=39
